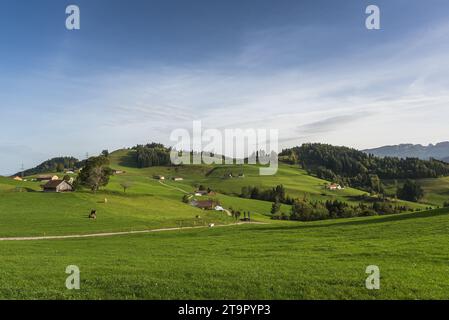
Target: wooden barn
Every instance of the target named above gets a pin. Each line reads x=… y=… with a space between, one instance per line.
x=58 y=186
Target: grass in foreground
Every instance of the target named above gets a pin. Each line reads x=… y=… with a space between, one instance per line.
x=321 y=260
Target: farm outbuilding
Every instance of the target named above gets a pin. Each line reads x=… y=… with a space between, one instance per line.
x=57 y=186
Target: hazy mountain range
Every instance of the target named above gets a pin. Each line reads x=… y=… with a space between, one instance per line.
x=438 y=151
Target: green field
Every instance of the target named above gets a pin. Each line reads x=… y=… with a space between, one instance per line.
x=436 y=191
x=271 y=260
x=321 y=260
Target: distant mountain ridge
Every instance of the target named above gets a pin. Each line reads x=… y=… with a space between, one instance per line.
x=438 y=151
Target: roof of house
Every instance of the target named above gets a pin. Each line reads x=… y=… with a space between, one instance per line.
x=205 y=204
x=54 y=184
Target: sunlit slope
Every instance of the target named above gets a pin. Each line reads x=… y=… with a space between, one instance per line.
x=296 y=181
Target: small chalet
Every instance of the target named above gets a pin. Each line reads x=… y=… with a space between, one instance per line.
x=17 y=178
x=157 y=177
x=57 y=186
x=177 y=179
x=334 y=186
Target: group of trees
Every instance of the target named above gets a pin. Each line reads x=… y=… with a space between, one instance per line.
x=276 y=194
x=95 y=173
x=236 y=214
x=304 y=210
x=152 y=154
x=410 y=191
x=360 y=170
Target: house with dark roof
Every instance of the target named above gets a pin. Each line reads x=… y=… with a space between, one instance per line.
x=204 y=204
x=57 y=186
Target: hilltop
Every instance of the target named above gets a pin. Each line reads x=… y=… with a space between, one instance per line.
x=58 y=164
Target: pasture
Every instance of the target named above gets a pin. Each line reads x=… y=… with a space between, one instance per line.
x=269 y=260
x=319 y=260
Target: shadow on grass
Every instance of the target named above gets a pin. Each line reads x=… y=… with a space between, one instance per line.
x=364 y=221
x=128 y=160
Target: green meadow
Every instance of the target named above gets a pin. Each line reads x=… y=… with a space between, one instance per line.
x=319 y=260
x=268 y=260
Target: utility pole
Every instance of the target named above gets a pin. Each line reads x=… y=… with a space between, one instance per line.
x=22 y=168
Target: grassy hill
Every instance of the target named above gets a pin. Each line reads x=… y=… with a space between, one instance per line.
x=274 y=260
x=148 y=204
x=436 y=191
x=296 y=181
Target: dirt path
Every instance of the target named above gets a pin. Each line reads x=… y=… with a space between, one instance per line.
x=109 y=234
x=172 y=187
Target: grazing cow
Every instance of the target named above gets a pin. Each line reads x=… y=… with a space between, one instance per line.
x=211 y=225
x=93 y=215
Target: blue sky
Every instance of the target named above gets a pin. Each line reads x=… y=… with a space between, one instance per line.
x=139 y=69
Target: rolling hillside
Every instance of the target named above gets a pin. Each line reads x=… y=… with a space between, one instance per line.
x=273 y=260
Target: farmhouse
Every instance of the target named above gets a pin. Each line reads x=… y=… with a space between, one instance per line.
x=158 y=177
x=17 y=178
x=334 y=186
x=204 y=204
x=57 y=186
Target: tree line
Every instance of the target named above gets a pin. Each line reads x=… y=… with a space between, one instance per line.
x=305 y=210
x=357 y=169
